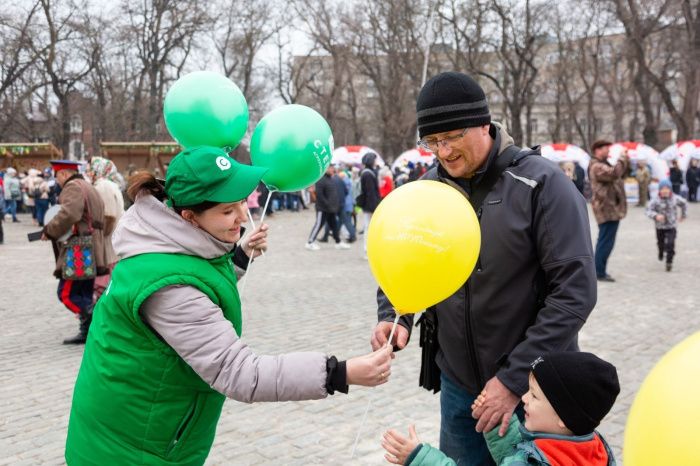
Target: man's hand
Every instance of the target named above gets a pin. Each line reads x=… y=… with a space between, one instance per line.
x=256 y=243
x=399 y=447
x=660 y=217
x=495 y=405
x=381 y=335
x=44 y=237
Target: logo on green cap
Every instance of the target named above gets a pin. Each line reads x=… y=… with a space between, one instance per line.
x=223 y=163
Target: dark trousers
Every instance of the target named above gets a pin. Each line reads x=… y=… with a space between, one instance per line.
x=458 y=436
x=606 y=241
x=323 y=218
x=42 y=205
x=693 y=193
x=343 y=220
x=76 y=295
x=666 y=241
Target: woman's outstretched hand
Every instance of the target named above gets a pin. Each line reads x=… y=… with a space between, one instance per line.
x=371 y=369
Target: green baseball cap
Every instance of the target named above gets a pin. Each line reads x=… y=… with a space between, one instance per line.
x=207 y=173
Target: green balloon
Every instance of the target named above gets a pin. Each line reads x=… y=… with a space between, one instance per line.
x=295 y=143
x=206 y=109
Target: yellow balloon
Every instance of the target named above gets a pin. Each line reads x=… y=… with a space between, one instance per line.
x=662 y=427
x=423 y=242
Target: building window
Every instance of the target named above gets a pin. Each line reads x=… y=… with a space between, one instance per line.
x=533 y=126
x=76 y=150
x=76 y=124
x=371 y=89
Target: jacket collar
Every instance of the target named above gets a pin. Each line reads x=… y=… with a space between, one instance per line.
x=77 y=176
x=559 y=450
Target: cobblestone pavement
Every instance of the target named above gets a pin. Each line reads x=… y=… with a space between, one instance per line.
x=324 y=300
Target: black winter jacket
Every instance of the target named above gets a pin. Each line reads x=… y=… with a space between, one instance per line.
x=326 y=195
x=369 y=186
x=533 y=286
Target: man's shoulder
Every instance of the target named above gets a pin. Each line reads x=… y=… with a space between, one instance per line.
x=534 y=166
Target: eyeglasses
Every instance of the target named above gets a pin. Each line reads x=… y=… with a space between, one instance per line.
x=433 y=145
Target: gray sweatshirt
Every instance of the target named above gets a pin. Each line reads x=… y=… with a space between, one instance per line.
x=188 y=321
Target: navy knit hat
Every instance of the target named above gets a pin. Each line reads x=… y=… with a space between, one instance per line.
x=581 y=387
x=451 y=101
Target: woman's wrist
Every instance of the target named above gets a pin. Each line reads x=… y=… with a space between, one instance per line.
x=336 y=376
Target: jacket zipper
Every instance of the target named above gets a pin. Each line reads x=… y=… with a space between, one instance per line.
x=468 y=321
x=470 y=336
x=181 y=428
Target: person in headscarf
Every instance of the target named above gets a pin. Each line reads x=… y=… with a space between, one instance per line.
x=105 y=178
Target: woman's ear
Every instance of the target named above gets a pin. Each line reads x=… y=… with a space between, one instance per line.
x=188 y=215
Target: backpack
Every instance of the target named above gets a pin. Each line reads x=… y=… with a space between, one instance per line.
x=15 y=192
x=360 y=198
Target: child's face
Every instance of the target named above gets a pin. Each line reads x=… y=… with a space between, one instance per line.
x=665 y=192
x=539 y=413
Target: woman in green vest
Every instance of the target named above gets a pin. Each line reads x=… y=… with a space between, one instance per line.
x=164 y=348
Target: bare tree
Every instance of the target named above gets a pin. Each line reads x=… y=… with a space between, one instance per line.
x=388 y=46
x=461 y=28
x=580 y=47
x=516 y=46
x=66 y=57
x=15 y=45
x=293 y=76
x=248 y=26
x=665 y=32
x=164 y=33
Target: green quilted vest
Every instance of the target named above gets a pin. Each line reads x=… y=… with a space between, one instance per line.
x=136 y=401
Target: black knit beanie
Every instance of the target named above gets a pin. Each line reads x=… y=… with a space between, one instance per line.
x=581 y=388
x=451 y=101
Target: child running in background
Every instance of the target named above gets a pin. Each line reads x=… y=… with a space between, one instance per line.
x=569 y=394
x=664 y=211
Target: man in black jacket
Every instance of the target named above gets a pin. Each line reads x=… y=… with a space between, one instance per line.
x=327 y=204
x=534 y=283
x=368 y=200
x=692 y=179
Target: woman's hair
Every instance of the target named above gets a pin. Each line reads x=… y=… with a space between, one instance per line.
x=145 y=181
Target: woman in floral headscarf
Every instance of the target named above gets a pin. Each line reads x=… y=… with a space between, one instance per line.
x=105 y=178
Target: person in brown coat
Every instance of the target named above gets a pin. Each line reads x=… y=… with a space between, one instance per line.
x=643 y=176
x=609 y=202
x=78 y=200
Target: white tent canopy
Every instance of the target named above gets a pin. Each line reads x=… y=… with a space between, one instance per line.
x=682 y=151
x=637 y=151
x=563 y=152
x=352 y=155
x=414 y=156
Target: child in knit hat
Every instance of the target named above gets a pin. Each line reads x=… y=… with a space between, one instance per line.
x=568 y=396
x=664 y=211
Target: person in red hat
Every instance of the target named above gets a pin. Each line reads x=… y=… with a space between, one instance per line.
x=82 y=213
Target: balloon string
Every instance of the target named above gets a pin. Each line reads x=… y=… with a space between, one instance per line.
x=393 y=328
x=369 y=402
x=250 y=259
x=359 y=431
x=252 y=224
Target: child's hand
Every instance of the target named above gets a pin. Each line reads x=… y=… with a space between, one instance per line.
x=660 y=218
x=399 y=447
x=480 y=400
